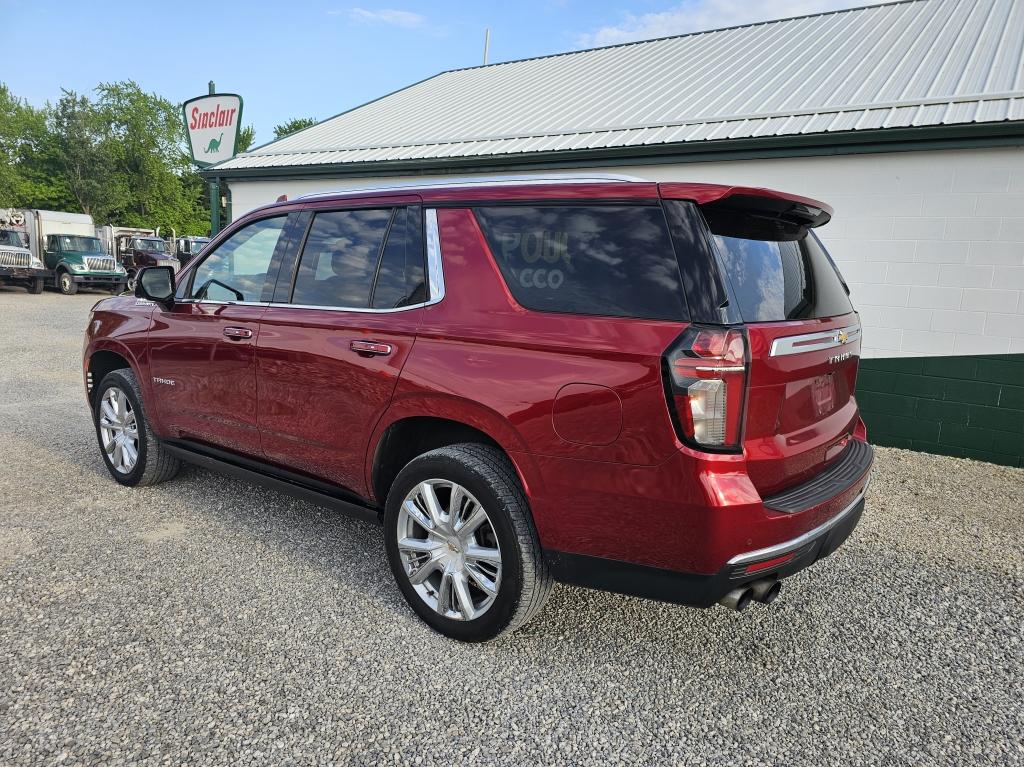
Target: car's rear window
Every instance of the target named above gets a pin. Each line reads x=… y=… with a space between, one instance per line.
x=778 y=275
x=612 y=260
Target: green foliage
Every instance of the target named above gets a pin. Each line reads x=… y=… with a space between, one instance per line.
x=85 y=155
x=27 y=154
x=292 y=126
x=120 y=156
x=246 y=138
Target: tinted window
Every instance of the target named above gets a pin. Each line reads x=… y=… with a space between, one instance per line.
x=237 y=269
x=340 y=258
x=400 y=279
x=597 y=259
x=782 y=279
x=707 y=297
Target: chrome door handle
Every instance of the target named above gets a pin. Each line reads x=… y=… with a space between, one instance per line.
x=238 y=333
x=372 y=348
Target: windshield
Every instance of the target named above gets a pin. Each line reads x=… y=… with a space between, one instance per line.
x=69 y=242
x=11 y=239
x=150 y=245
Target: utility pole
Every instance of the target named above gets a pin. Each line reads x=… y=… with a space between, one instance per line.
x=487 y=44
x=214 y=190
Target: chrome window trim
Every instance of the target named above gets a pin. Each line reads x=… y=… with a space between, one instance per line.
x=435 y=282
x=285 y=305
x=220 y=303
x=814 y=342
x=793 y=544
x=350 y=309
x=435 y=266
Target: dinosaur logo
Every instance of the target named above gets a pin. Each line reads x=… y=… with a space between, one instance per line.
x=214 y=146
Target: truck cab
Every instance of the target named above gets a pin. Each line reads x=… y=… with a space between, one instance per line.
x=18 y=266
x=188 y=248
x=138 y=251
x=75 y=261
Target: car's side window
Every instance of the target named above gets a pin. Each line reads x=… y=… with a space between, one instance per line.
x=340 y=257
x=400 y=279
x=52 y=243
x=237 y=269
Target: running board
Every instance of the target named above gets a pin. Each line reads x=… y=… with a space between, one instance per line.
x=270 y=477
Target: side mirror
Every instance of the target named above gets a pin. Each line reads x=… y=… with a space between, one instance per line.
x=156 y=283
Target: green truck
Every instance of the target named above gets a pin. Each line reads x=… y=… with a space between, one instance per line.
x=71 y=252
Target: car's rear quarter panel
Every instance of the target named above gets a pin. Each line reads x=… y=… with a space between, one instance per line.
x=482 y=359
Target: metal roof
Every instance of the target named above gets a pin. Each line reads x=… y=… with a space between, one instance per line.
x=901 y=65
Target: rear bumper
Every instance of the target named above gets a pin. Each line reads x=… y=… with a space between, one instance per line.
x=691 y=529
x=699 y=590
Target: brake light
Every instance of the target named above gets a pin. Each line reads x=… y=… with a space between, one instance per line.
x=707 y=373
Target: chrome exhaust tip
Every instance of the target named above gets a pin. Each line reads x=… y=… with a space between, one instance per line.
x=737 y=599
x=766 y=591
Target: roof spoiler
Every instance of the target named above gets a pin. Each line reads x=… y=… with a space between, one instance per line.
x=762 y=203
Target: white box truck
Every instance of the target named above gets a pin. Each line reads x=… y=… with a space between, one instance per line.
x=18 y=265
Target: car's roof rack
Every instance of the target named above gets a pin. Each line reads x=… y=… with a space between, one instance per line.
x=481 y=181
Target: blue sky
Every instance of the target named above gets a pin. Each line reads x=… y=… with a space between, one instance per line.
x=319 y=57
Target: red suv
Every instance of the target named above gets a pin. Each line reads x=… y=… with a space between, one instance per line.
x=639 y=387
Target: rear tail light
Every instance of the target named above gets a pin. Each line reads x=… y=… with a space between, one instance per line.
x=706 y=377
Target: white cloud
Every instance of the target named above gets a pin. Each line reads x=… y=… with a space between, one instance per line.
x=700 y=15
x=384 y=16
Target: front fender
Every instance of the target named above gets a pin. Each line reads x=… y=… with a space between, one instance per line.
x=65 y=263
x=115 y=326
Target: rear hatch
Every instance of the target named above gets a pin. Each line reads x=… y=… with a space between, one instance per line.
x=803 y=337
x=802 y=334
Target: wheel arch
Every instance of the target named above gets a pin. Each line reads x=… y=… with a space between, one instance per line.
x=409 y=430
x=105 y=357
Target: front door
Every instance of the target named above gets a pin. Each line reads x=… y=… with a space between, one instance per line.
x=202 y=350
x=331 y=349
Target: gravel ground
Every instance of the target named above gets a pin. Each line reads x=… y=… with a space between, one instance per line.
x=210 y=621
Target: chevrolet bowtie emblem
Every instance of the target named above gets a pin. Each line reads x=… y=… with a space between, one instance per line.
x=842 y=337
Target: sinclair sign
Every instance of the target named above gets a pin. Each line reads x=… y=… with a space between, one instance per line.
x=212 y=124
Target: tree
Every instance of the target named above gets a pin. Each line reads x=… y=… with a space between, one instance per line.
x=28 y=173
x=149 y=140
x=120 y=157
x=246 y=138
x=292 y=126
x=85 y=154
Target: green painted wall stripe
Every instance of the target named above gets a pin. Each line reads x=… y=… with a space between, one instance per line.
x=969 y=407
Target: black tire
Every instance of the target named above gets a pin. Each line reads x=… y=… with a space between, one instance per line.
x=154 y=464
x=66 y=283
x=489 y=476
x=36 y=287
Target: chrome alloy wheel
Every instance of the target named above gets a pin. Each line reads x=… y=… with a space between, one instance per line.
x=449 y=549
x=119 y=430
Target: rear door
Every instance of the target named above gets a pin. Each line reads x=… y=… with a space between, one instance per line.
x=335 y=338
x=803 y=335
